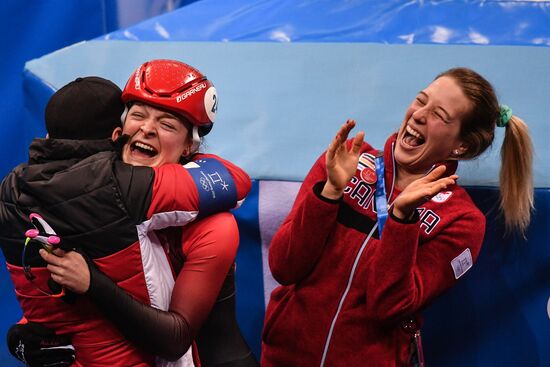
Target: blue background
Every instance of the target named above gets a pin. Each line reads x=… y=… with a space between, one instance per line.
x=289 y=72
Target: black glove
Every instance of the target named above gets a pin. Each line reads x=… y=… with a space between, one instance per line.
x=37 y=346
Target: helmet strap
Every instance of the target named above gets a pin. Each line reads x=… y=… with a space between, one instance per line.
x=124 y=114
x=196 y=140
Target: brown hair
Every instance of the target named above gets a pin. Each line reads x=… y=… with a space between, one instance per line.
x=478 y=132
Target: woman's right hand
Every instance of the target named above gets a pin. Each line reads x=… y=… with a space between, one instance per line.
x=341 y=162
x=69 y=269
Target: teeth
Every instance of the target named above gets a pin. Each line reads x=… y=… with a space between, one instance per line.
x=414 y=133
x=144 y=146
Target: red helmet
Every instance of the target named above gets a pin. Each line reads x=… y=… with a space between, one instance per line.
x=176 y=87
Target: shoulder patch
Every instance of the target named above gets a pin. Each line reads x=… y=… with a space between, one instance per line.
x=462 y=263
x=442 y=197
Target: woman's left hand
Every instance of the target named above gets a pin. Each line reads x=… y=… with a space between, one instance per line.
x=69 y=269
x=420 y=191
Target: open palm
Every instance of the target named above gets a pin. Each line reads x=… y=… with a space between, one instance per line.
x=421 y=190
x=341 y=161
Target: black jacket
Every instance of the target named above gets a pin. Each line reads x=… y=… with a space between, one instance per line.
x=82 y=190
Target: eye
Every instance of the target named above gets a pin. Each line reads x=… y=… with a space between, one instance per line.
x=420 y=101
x=441 y=117
x=167 y=125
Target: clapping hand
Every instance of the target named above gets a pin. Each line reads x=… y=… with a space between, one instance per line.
x=341 y=162
x=420 y=191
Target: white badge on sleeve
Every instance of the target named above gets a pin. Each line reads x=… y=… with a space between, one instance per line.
x=462 y=263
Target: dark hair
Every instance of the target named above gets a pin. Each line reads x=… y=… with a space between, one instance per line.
x=478 y=131
x=86 y=108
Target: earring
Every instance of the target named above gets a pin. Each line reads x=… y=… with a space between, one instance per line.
x=456 y=152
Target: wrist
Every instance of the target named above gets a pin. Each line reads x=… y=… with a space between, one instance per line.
x=399 y=216
x=94 y=278
x=331 y=192
x=88 y=279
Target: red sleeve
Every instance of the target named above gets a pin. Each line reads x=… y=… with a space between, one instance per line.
x=174 y=188
x=299 y=242
x=403 y=276
x=209 y=247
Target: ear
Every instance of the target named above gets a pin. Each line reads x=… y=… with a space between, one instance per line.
x=117 y=132
x=187 y=149
x=460 y=151
x=463 y=148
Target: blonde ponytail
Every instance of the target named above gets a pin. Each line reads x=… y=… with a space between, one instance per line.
x=516 y=176
x=478 y=131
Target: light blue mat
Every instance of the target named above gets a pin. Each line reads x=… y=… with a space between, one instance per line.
x=280 y=104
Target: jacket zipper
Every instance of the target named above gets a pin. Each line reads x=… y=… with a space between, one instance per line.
x=353 y=268
x=348 y=286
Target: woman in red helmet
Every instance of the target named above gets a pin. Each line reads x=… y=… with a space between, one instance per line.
x=162 y=112
x=163 y=124
x=156 y=125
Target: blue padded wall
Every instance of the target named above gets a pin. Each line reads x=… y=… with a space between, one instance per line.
x=478 y=22
x=274 y=97
x=30 y=29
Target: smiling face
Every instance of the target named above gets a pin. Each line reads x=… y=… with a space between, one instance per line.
x=430 y=132
x=156 y=137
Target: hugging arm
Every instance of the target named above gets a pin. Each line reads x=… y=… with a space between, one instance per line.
x=209 y=247
x=208 y=184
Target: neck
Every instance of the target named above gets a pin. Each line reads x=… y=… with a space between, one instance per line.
x=404 y=178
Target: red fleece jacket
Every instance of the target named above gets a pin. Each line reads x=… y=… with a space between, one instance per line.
x=345 y=293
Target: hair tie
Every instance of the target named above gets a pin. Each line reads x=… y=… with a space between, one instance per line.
x=505 y=116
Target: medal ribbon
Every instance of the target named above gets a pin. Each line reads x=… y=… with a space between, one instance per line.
x=380 y=194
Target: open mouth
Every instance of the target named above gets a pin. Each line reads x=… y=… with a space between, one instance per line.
x=413 y=137
x=142 y=148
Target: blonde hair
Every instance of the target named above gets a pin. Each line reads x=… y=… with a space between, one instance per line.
x=516 y=176
x=478 y=131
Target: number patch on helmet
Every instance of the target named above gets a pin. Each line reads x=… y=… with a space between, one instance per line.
x=211 y=103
